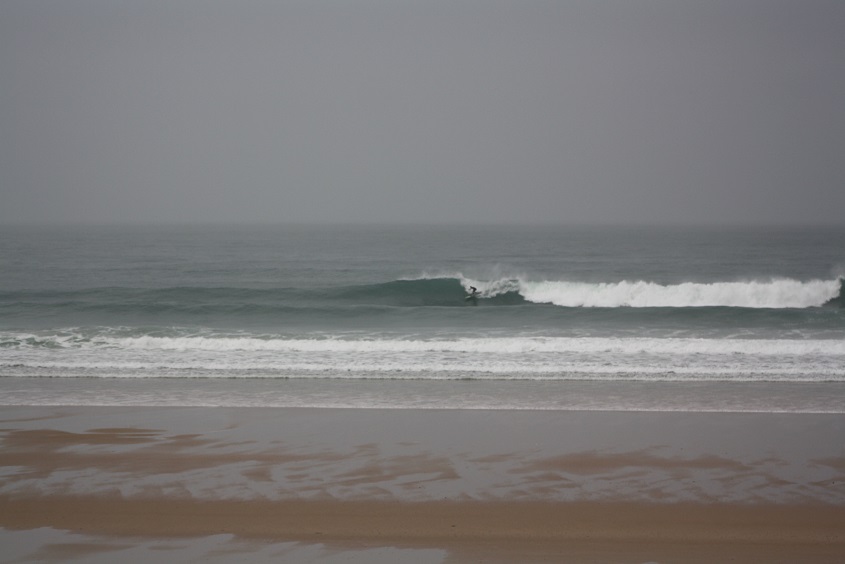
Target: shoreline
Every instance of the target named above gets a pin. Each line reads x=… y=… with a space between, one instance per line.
x=432 y=521
x=488 y=485
x=490 y=531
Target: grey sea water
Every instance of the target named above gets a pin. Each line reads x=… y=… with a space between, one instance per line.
x=564 y=317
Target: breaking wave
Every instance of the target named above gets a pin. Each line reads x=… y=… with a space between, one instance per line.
x=775 y=294
x=261 y=356
x=440 y=291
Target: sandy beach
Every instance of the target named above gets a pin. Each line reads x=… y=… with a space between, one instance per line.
x=437 y=486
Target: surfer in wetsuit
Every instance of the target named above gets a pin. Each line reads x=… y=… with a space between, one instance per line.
x=472 y=298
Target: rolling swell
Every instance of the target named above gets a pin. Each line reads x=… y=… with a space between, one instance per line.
x=201 y=300
x=442 y=292
x=116 y=304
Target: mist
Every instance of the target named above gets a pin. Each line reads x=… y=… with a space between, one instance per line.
x=469 y=111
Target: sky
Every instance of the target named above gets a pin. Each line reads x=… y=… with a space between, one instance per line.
x=422 y=111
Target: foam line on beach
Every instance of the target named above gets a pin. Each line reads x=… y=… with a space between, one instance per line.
x=488 y=345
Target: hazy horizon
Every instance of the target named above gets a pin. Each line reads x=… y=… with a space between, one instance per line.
x=604 y=112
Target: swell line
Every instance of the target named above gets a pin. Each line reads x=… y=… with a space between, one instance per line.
x=438 y=291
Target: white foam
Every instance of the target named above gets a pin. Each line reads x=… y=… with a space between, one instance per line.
x=782 y=293
x=607 y=358
x=486 y=345
x=775 y=293
x=490 y=345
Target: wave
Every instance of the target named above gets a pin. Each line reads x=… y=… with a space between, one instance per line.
x=839 y=300
x=106 y=354
x=773 y=294
x=485 y=345
x=430 y=291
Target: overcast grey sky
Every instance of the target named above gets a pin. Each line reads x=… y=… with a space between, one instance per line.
x=631 y=111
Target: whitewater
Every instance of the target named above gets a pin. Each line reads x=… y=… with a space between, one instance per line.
x=563 y=318
x=775 y=294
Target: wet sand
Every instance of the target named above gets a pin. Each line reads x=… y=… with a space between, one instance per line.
x=445 y=485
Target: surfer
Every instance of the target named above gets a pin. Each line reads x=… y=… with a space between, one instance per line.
x=472 y=298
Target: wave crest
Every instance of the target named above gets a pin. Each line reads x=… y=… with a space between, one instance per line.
x=783 y=293
x=427 y=291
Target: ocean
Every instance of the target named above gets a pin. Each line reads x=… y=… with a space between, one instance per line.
x=567 y=318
